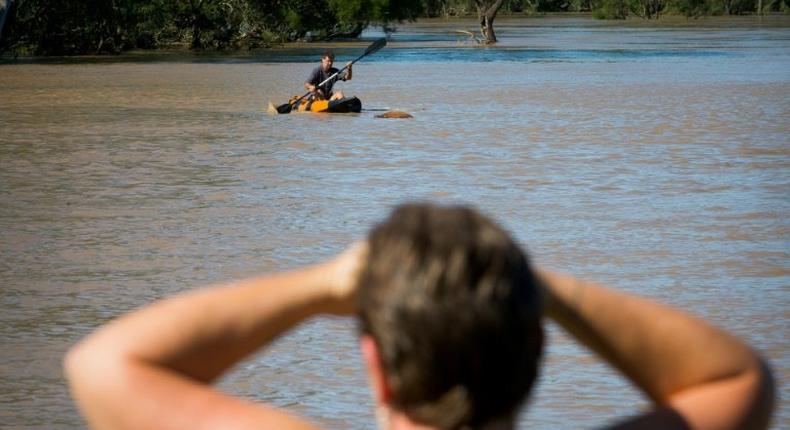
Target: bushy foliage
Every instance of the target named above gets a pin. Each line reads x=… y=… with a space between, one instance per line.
x=619 y=9
x=50 y=27
x=53 y=27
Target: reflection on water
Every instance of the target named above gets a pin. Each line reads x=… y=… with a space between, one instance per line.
x=652 y=158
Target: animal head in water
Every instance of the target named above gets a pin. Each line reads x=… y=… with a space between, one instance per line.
x=394 y=113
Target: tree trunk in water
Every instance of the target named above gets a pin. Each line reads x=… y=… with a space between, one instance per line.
x=197 y=14
x=486 y=12
x=196 y=43
x=487 y=29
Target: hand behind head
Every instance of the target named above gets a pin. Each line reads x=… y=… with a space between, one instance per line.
x=343 y=275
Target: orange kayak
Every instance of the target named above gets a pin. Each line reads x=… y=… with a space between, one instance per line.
x=344 y=105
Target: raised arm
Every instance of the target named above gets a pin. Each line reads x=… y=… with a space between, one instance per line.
x=699 y=376
x=151 y=369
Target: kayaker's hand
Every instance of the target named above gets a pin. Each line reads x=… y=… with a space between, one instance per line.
x=343 y=275
x=347 y=75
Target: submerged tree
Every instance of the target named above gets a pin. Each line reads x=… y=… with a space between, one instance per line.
x=486 y=12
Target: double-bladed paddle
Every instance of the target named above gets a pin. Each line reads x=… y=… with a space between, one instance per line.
x=375 y=46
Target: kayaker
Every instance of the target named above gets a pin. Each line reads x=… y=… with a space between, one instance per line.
x=324 y=71
x=450 y=330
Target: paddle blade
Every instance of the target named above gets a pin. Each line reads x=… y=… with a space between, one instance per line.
x=284 y=108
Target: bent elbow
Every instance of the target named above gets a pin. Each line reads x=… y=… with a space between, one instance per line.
x=87 y=369
x=73 y=363
x=741 y=401
x=763 y=395
x=80 y=369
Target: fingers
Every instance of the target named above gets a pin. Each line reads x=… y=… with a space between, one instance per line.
x=344 y=275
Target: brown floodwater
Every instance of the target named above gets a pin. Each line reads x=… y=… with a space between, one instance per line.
x=651 y=157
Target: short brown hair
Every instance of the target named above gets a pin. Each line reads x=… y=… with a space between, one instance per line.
x=453 y=307
x=328 y=54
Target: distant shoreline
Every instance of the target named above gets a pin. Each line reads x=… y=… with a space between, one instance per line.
x=181 y=50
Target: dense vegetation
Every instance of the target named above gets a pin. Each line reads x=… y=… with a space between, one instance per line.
x=55 y=27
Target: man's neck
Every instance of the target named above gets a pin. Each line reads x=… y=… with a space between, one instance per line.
x=399 y=421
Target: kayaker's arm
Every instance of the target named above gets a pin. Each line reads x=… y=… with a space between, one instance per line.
x=697 y=374
x=315 y=90
x=347 y=76
x=151 y=368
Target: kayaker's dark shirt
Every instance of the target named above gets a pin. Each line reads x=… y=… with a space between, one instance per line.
x=317 y=76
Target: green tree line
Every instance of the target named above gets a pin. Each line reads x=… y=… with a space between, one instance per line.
x=56 y=27
x=600 y=8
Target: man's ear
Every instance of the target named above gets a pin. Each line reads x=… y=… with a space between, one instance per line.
x=382 y=393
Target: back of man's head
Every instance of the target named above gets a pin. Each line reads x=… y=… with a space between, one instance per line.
x=454 y=310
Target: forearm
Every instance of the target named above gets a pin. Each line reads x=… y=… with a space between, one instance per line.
x=203 y=332
x=669 y=354
x=155 y=363
x=150 y=369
